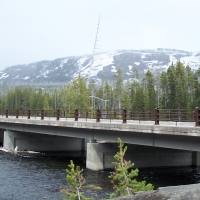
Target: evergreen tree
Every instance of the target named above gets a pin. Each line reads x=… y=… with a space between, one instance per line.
x=149 y=91
x=171 y=79
x=117 y=89
x=123 y=180
x=181 y=90
x=81 y=94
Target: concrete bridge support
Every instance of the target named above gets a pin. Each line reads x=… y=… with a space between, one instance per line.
x=40 y=142
x=100 y=156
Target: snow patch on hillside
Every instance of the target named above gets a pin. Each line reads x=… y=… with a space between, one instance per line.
x=130 y=67
x=113 y=69
x=63 y=62
x=3 y=76
x=26 y=78
x=95 y=65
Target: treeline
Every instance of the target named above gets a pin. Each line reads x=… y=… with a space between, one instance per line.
x=178 y=87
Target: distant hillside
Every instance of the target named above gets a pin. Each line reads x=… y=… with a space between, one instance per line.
x=103 y=65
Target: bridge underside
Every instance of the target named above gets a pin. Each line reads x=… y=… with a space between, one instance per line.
x=100 y=155
x=173 y=141
x=40 y=142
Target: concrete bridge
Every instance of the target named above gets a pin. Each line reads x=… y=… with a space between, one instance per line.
x=171 y=143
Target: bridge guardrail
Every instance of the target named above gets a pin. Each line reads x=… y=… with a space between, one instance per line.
x=156 y=115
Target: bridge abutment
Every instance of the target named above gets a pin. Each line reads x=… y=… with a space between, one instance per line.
x=41 y=142
x=100 y=156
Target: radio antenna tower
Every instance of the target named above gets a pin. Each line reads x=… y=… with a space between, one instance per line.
x=94 y=50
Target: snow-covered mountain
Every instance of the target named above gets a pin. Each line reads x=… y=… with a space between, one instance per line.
x=100 y=66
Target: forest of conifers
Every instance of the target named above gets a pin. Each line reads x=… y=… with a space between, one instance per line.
x=178 y=87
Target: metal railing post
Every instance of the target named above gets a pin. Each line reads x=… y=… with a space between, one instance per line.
x=42 y=114
x=58 y=114
x=156 y=116
x=124 y=115
x=17 y=113
x=76 y=115
x=98 y=115
x=197 y=116
x=6 y=113
x=29 y=113
x=131 y=115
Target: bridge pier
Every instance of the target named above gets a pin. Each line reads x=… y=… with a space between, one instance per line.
x=100 y=156
x=41 y=142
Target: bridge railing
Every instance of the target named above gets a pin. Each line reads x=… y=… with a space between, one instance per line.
x=123 y=115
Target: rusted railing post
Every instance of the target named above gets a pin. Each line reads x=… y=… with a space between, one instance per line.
x=17 y=113
x=86 y=115
x=58 y=114
x=29 y=113
x=98 y=115
x=169 y=114
x=193 y=115
x=156 y=116
x=76 y=115
x=115 y=114
x=148 y=115
x=6 y=113
x=42 y=114
x=131 y=115
x=124 y=115
x=197 y=116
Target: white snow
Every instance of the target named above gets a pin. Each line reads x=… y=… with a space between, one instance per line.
x=172 y=59
x=113 y=69
x=136 y=63
x=95 y=65
x=130 y=67
x=3 y=76
x=17 y=69
x=15 y=77
x=193 y=61
x=26 y=78
x=63 y=62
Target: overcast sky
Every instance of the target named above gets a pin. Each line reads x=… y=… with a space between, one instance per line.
x=35 y=30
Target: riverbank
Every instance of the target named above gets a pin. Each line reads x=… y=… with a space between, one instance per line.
x=182 y=192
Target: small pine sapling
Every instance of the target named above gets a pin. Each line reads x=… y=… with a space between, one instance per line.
x=75 y=180
x=122 y=179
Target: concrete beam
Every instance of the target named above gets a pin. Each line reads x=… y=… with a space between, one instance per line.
x=40 y=142
x=100 y=156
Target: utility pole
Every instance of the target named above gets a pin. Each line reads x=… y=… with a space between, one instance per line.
x=94 y=50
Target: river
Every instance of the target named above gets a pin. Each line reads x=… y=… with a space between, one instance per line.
x=41 y=176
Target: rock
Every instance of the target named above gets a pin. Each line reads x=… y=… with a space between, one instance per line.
x=182 y=192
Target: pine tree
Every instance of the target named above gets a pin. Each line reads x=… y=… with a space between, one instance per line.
x=75 y=180
x=171 y=79
x=117 y=89
x=149 y=91
x=122 y=179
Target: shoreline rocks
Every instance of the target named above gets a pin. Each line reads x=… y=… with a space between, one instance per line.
x=182 y=192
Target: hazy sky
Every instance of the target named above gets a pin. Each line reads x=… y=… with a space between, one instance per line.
x=35 y=30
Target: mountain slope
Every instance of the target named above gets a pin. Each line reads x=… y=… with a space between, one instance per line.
x=102 y=65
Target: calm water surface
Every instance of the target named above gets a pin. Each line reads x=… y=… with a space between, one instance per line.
x=35 y=177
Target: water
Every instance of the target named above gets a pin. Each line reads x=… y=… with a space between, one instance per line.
x=35 y=177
